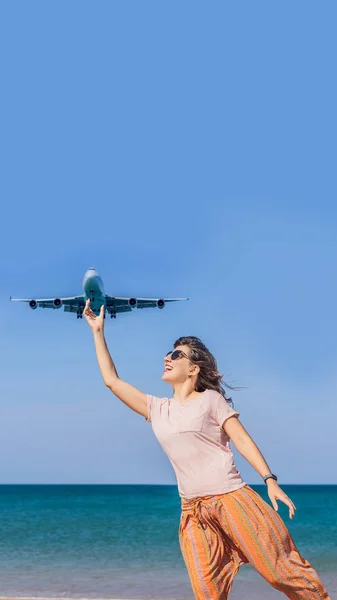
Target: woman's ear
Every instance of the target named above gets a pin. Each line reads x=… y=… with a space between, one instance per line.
x=194 y=370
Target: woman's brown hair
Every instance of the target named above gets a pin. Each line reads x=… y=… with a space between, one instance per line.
x=209 y=377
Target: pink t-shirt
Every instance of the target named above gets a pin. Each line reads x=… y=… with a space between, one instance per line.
x=196 y=445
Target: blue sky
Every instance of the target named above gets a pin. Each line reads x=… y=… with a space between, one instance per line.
x=183 y=149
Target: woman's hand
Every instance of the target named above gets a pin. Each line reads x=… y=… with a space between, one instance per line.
x=275 y=493
x=96 y=323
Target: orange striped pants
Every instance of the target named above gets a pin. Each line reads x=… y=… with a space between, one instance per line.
x=219 y=533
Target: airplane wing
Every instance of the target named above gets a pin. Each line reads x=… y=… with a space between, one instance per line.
x=114 y=304
x=72 y=304
x=117 y=304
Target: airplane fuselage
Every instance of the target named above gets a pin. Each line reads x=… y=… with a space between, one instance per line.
x=94 y=289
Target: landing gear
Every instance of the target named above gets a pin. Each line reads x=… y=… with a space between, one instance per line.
x=113 y=314
x=79 y=316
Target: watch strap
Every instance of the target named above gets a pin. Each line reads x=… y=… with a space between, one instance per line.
x=269 y=476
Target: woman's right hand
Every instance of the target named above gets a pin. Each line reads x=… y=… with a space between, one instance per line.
x=96 y=323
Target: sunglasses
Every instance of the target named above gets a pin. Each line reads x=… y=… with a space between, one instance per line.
x=177 y=354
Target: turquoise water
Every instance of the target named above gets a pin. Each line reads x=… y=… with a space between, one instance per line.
x=122 y=540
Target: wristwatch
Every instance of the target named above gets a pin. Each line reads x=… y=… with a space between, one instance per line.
x=268 y=476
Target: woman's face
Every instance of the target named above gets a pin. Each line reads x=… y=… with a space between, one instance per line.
x=176 y=371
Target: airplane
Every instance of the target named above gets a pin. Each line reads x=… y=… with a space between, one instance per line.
x=94 y=289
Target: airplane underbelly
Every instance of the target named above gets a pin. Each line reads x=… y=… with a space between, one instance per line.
x=93 y=291
x=96 y=301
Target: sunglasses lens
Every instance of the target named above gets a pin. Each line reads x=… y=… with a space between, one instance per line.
x=170 y=352
x=176 y=354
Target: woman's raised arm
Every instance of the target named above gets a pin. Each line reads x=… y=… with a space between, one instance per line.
x=130 y=395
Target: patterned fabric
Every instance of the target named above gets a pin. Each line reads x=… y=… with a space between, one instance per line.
x=218 y=533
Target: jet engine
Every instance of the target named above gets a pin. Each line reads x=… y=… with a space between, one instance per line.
x=133 y=302
x=33 y=304
x=161 y=303
x=57 y=303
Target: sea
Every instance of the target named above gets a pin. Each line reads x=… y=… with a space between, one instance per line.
x=121 y=541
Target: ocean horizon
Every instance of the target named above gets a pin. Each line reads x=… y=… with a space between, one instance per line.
x=121 y=540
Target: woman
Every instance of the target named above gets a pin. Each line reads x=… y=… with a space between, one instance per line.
x=224 y=523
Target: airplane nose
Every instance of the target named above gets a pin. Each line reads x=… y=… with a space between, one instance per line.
x=89 y=274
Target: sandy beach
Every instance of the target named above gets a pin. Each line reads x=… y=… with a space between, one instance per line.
x=254 y=589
